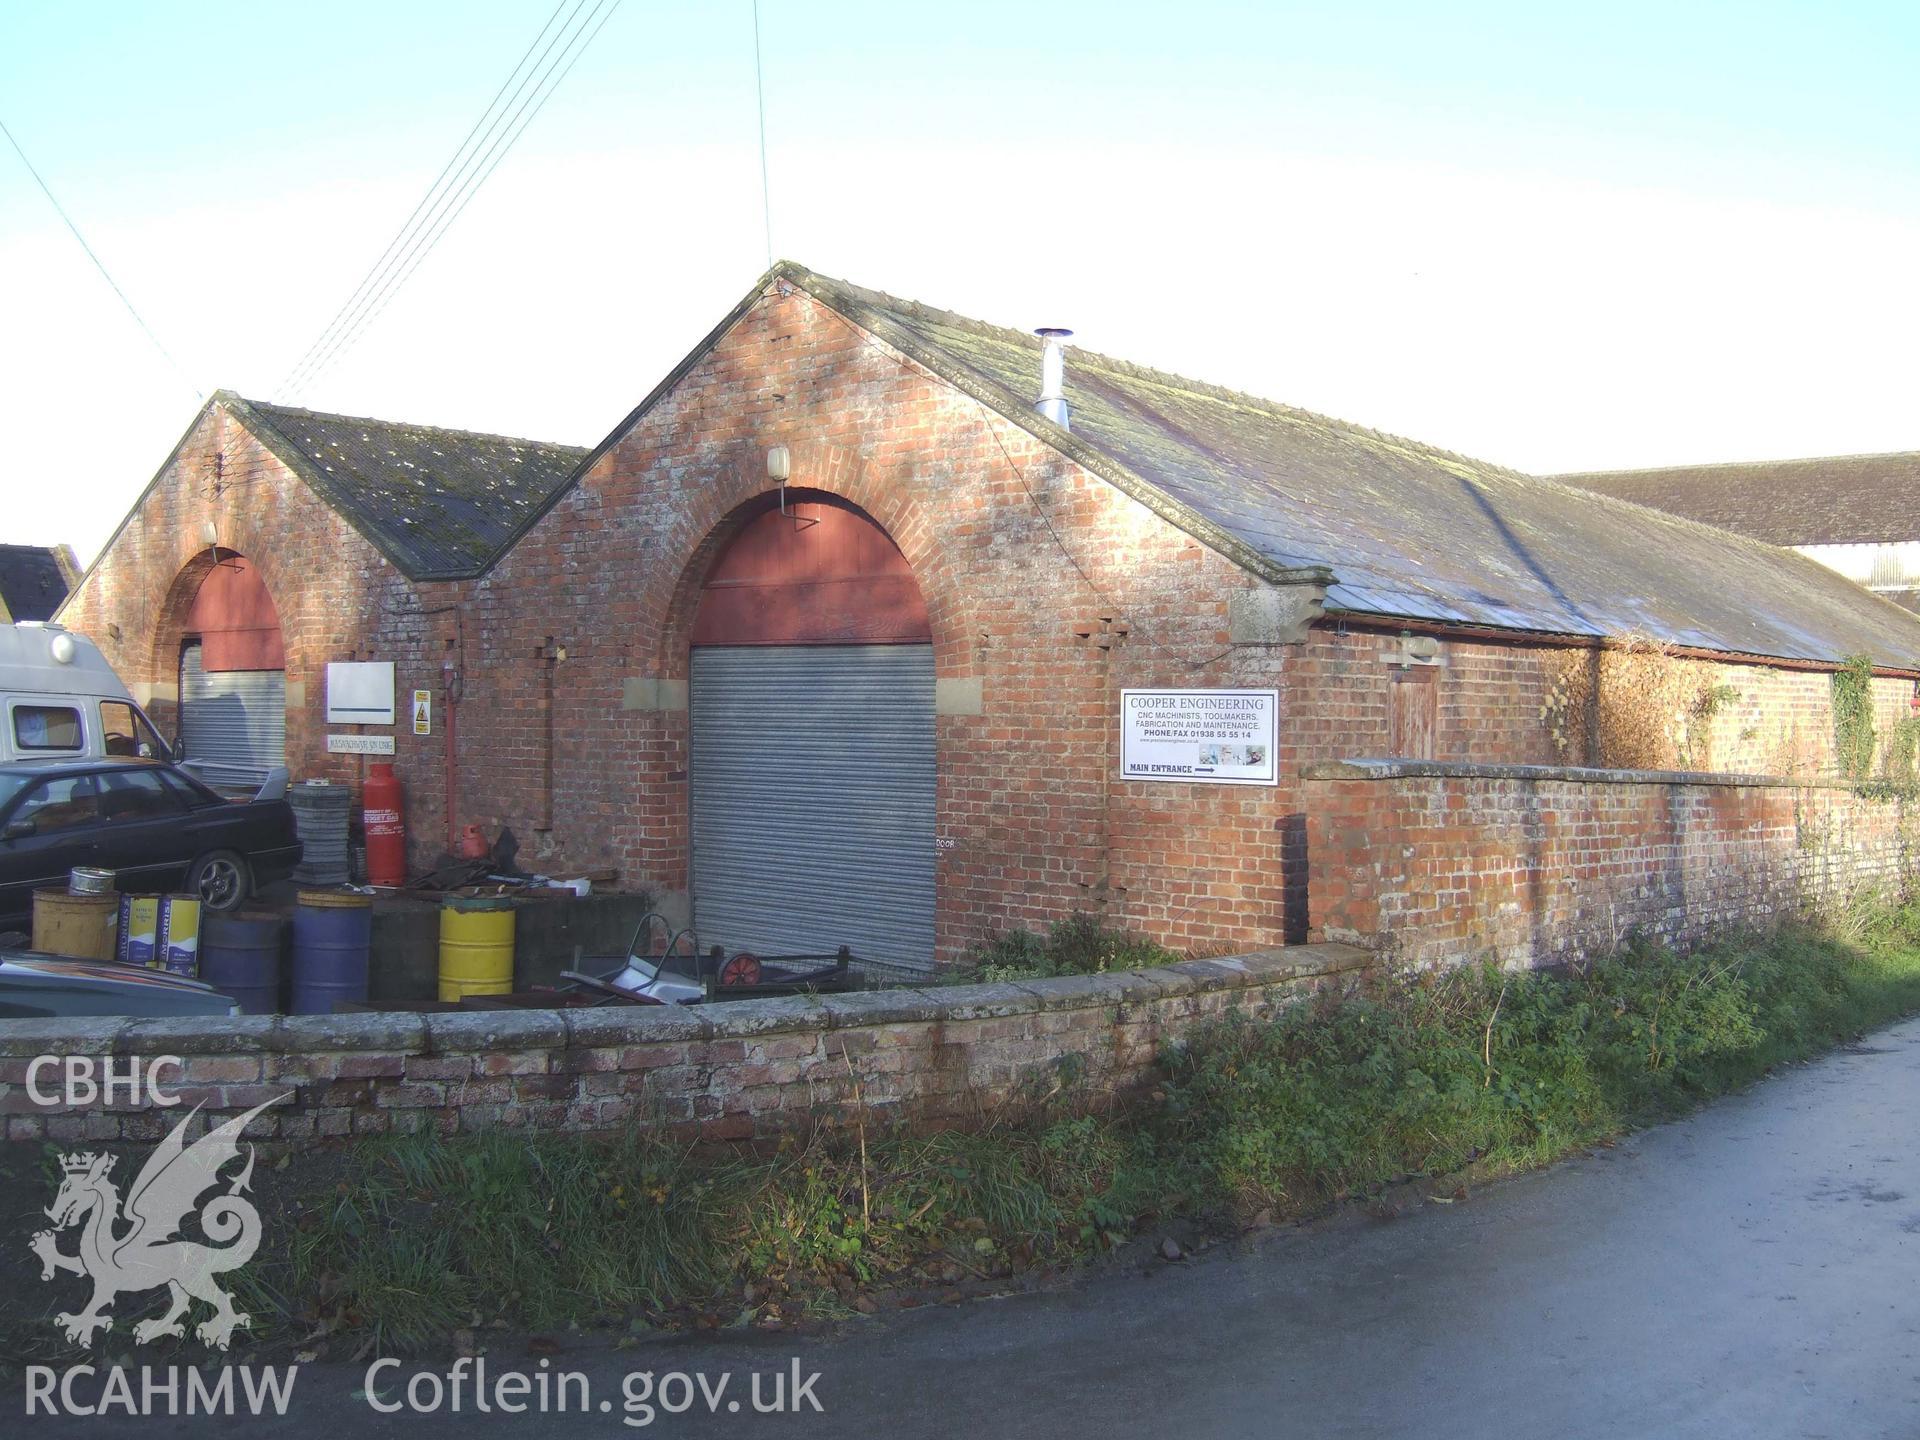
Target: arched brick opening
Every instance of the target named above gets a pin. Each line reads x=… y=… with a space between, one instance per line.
x=737 y=495
x=169 y=628
x=908 y=596
x=220 y=599
x=808 y=568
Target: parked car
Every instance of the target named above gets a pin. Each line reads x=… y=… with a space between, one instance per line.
x=155 y=825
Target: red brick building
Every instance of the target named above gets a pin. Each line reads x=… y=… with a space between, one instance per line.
x=273 y=541
x=881 y=702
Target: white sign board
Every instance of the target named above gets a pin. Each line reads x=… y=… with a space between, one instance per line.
x=360 y=692
x=423 y=712
x=359 y=744
x=1210 y=737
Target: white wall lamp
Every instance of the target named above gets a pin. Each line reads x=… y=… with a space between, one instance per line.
x=210 y=533
x=780 y=470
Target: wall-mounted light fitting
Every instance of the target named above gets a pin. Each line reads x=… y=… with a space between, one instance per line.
x=780 y=469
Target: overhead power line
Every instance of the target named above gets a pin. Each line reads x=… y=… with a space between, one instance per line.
x=522 y=96
x=61 y=211
x=348 y=310
x=760 y=93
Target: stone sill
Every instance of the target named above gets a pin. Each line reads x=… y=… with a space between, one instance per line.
x=494 y=1031
x=1388 y=769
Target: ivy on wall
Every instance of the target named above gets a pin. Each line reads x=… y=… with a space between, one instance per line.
x=1853 y=731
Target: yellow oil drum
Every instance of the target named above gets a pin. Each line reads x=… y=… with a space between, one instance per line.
x=476 y=946
x=84 y=927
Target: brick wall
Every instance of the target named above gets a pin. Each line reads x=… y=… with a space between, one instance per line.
x=1030 y=823
x=923 y=1058
x=1439 y=863
x=1047 y=587
x=338 y=598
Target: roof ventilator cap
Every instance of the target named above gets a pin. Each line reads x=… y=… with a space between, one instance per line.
x=1053 y=375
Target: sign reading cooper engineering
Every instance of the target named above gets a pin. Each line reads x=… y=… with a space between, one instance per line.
x=1209 y=737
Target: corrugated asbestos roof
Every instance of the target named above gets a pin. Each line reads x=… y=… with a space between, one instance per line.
x=438 y=503
x=33 y=582
x=1838 y=500
x=1408 y=531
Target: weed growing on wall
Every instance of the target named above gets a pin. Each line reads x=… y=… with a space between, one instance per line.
x=1078 y=945
x=1793 y=753
x=1636 y=707
x=1897 y=766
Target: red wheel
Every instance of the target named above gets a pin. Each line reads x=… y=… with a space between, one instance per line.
x=742 y=969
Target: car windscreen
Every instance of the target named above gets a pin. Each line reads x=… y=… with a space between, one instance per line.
x=125 y=731
x=10 y=788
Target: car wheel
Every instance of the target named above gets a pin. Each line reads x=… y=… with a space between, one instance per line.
x=220 y=880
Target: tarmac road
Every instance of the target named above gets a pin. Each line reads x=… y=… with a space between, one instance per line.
x=1753 y=1271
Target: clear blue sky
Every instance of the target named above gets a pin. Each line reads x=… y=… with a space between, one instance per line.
x=1554 y=236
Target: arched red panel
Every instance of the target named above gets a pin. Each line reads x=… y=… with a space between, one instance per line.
x=822 y=573
x=236 y=620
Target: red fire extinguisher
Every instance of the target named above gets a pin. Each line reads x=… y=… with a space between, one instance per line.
x=386 y=832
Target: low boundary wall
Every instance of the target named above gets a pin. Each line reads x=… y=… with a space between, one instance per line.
x=736 y=1071
x=1536 y=865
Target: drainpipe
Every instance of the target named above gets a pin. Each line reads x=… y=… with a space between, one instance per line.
x=548 y=655
x=450 y=687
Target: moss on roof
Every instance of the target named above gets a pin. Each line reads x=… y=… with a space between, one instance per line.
x=439 y=503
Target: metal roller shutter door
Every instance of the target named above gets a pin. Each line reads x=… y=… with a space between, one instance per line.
x=812 y=782
x=234 y=720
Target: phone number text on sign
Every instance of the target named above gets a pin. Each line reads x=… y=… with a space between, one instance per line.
x=1208 y=737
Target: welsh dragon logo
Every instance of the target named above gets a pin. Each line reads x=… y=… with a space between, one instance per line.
x=135 y=1244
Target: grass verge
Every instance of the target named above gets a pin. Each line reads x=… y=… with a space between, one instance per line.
x=404 y=1244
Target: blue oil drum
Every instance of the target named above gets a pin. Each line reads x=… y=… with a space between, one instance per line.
x=332 y=936
x=241 y=954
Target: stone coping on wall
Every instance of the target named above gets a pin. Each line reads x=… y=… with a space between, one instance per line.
x=1391 y=769
x=751 y=1070
x=500 y=1030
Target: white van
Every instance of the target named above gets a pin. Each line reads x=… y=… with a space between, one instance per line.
x=62 y=700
